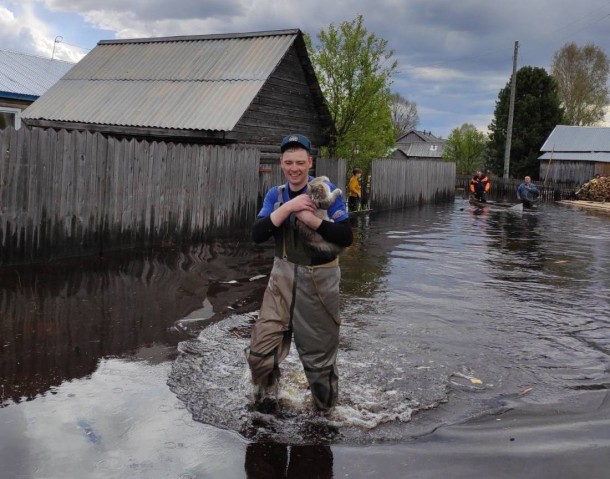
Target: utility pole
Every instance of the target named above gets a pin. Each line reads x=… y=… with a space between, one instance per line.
x=511 y=109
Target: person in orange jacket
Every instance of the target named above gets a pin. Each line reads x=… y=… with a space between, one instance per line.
x=479 y=186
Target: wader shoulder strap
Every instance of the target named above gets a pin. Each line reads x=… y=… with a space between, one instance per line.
x=280 y=197
x=290 y=248
x=281 y=252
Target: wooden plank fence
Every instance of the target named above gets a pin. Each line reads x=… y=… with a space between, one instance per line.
x=334 y=169
x=399 y=183
x=506 y=189
x=69 y=193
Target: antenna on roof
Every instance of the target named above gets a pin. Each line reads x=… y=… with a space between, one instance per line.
x=58 y=39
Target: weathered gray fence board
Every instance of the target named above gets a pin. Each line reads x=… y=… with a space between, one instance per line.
x=506 y=189
x=399 y=183
x=271 y=175
x=73 y=193
x=334 y=169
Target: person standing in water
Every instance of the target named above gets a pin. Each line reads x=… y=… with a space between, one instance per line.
x=527 y=192
x=354 y=191
x=302 y=296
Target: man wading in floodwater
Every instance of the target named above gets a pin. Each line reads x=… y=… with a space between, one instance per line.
x=302 y=296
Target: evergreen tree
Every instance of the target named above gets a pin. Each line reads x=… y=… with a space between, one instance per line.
x=537 y=111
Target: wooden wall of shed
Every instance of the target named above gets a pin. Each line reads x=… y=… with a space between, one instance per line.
x=602 y=168
x=564 y=170
x=76 y=193
x=283 y=106
x=12 y=103
x=398 y=154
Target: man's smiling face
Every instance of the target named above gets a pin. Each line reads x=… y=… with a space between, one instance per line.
x=296 y=163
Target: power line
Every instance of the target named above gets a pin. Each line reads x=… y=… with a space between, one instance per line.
x=542 y=36
x=77 y=46
x=581 y=18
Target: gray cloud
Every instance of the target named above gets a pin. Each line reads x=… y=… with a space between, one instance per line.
x=152 y=10
x=454 y=57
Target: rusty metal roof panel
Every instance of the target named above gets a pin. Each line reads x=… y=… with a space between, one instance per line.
x=161 y=104
x=578 y=138
x=30 y=75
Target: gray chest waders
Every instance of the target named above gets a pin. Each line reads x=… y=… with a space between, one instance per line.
x=303 y=300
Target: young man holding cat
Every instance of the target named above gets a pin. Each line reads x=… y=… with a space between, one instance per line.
x=302 y=296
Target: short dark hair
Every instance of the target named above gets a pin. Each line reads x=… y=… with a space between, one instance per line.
x=356 y=171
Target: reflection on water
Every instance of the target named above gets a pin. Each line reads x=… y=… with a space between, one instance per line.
x=269 y=460
x=58 y=320
x=448 y=313
x=440 y=305
x=212 y=379
x=119 y=422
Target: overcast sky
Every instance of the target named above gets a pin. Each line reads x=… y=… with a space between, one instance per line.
x=453 y=56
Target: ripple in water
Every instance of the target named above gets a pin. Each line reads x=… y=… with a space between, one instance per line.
x=211 y=376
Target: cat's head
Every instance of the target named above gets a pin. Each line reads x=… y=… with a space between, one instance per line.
x=318 y=189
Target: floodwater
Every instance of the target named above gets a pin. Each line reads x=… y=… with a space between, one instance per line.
x=474 y=343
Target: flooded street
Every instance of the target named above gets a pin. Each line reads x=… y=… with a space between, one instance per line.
x=473 y=342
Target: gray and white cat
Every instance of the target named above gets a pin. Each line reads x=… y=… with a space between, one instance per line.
x=320 y=193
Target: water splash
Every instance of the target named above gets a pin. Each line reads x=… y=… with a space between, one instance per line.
x=211 y=376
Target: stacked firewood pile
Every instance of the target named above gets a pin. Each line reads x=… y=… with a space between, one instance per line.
x=598 y=189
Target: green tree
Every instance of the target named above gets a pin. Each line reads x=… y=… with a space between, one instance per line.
x=404 y=115
x=537 y=111
x=466 y=146
x=354 y=68
x=582 y=80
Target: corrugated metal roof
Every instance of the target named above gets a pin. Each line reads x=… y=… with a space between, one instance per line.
x=578 y=139
x=161 y=104
x=422 y=150
x=28 y=74
x=599 y=157
x=200 y=83
x=426 y=136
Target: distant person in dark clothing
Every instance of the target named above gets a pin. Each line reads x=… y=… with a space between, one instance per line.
x=527 y=192
x=479 y=186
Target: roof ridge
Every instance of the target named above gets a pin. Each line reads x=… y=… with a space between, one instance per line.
x=36 y=56
x=213 y=36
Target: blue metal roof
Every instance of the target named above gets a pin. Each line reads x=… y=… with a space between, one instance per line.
x=26 y=77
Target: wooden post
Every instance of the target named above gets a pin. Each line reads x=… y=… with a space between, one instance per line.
x=548 y=166
x=511 y=108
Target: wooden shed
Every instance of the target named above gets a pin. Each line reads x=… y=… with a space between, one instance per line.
x=575 y=154
x=247 y=88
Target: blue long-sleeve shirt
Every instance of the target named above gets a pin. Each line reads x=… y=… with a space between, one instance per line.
x=527 y=191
